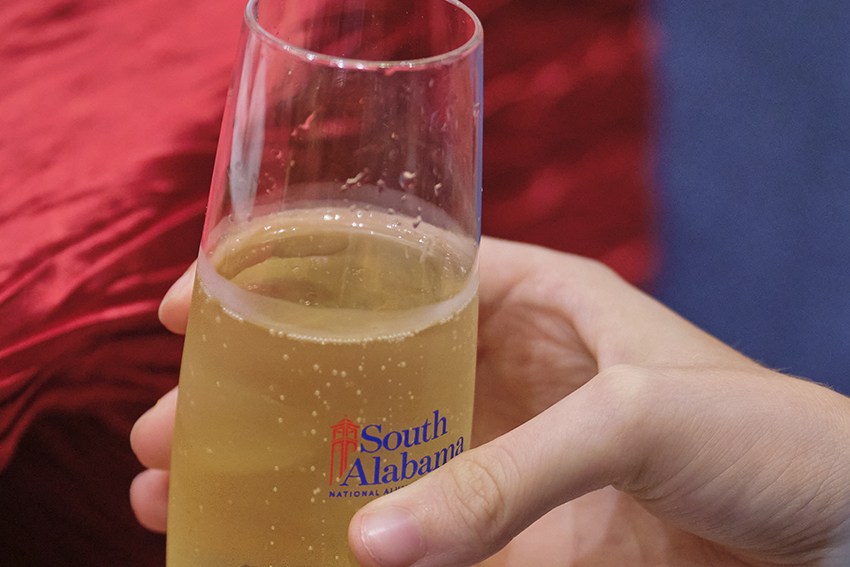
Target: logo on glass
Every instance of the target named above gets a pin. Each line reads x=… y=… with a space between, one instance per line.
x=344 y=438
x=394 y=448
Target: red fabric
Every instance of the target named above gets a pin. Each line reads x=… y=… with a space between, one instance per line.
x=109 y=113
x=567 y=116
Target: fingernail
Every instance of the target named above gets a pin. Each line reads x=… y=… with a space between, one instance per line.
x=392 y=537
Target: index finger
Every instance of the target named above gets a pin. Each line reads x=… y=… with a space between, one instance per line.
x=617 y=323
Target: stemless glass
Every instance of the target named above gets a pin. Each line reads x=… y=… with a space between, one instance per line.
x=330 y=354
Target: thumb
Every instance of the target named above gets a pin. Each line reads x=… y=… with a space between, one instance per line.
x=475 y=504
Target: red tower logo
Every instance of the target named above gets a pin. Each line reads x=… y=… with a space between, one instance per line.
x=344 y=438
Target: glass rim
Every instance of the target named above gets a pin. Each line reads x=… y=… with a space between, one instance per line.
x=448 y=57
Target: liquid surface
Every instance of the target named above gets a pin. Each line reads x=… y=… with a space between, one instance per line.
x=323 y=367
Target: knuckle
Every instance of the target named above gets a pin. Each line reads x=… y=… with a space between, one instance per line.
x=627 y=402
x=480 y=488
x=627 y=388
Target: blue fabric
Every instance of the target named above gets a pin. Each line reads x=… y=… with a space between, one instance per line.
x=754 y=177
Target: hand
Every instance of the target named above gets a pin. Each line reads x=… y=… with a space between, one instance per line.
x=609 y=432
x=152 y=434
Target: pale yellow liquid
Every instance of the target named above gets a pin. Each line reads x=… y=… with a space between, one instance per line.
x=375 y=323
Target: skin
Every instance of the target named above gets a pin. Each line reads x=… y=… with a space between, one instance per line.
x=609 y=431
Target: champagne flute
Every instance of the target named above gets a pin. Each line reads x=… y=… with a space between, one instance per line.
x=330 y=353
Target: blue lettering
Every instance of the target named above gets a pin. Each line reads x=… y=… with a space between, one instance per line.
x=390 y=474
x=387 y=441
x=437 y=422
x=445 y=454
x=407 y=442
x=424 y=465
x=370 y=438
x=404 y=466
x=356 y=471
x=425 y=425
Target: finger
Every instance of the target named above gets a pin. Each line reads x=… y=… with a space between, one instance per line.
x=174 y=308
x=614 y=321
x=475 y=504
x=728 y=456
x=529 y=354
x=625 y=427
x=149 y=499
x=153 y=431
